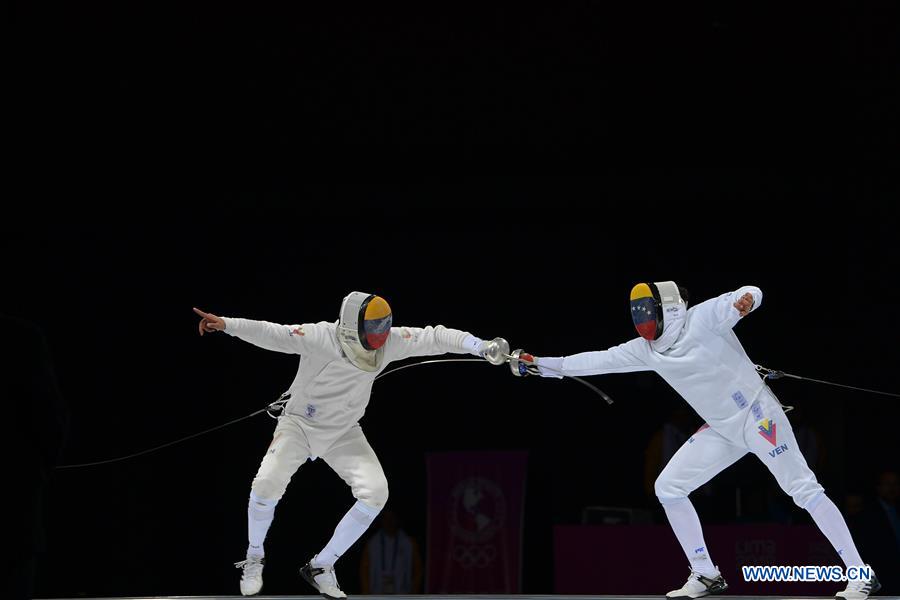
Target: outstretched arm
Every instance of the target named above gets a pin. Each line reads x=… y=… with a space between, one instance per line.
x=291 y=339
x=624 y=358
x=407 y=342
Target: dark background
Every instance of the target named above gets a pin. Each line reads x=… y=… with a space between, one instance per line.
x=153 y=79
x=108 y=261
x=114 y=301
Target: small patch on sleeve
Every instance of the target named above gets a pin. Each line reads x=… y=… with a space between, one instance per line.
x=756 y=409
x=739 y=399
x=408 y=335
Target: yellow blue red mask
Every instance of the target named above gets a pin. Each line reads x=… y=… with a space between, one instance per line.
x=649 y=303
x=646 y=311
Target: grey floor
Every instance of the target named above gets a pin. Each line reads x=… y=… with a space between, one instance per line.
x=470 y=597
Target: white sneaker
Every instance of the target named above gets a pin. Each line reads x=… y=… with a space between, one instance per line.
x=698 y=586
x=251 y=580
x=323 y=579
x=860 y=589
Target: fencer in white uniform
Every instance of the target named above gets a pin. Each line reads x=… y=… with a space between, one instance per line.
x=338 y=364
x=697 y=352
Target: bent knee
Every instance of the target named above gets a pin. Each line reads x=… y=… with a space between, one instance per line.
x=668 y=491
x=373 y=493
x=807 y=494
x=268 y=488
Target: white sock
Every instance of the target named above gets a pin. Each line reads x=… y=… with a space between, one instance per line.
x=351 y=527
x=260 y=513
x=832 y=524
x=686 y=525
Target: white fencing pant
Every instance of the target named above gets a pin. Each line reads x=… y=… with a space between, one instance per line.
x=351 y=457
x=767 y=434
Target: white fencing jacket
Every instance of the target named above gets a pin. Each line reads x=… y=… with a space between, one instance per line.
x=699 y=355
x=329 y=395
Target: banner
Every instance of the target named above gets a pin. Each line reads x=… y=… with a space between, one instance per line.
x=475 y=510
x=646 y=559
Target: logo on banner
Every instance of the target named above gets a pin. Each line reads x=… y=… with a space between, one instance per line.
x=767 y=430
x=762 y=551
x=479 y=510
x=475 y=556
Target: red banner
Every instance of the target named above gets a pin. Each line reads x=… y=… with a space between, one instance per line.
x=646 y=559
x=475 y=509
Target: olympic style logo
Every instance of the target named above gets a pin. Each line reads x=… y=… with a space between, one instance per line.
x=478 y=557
x=479 y=510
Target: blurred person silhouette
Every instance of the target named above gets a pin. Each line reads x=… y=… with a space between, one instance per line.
x=877 y=526
x=854 y=504
x=391 y=562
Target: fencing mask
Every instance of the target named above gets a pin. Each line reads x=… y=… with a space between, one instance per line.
x=654 y=306
x=363 y=329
